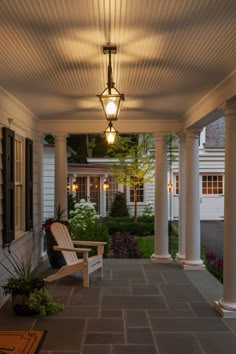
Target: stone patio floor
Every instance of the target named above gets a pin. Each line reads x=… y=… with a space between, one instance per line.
x=138 y=308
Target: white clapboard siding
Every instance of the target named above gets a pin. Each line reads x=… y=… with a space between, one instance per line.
x=25 y=126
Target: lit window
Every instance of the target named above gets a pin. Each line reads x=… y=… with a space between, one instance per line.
x=212 y=184
x=19 y=185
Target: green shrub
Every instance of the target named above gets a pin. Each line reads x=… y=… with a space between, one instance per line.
x=146 y=218
x=93 y=232
x=119 y=205
x=128 y=225
x=145 y=246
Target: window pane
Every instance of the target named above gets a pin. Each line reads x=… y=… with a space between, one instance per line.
x=19 y=209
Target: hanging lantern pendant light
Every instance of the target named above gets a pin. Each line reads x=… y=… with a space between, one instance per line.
x=111 y=99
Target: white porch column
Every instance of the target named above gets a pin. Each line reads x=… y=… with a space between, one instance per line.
x=161 y=202
x=227 y=305
x=61 y=173
x=192 y=259
x=182 y=197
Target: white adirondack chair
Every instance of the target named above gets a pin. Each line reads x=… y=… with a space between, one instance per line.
x=87 y=265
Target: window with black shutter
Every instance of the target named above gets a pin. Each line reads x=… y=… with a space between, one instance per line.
x=28 y=184
x=8 y=172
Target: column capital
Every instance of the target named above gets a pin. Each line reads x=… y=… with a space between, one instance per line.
x=229 y=106
x=60 y=136
x=193 y=132
x=160 y=135
x=181 y=136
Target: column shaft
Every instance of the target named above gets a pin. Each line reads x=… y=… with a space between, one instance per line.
x=193 y=240
x=182 y=197
x=61 y=174
x=161 y=202
x=229 y=294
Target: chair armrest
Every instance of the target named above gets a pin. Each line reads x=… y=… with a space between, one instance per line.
x=82 y=250
x=89 y=243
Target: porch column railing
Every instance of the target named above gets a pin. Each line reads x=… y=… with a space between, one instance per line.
x=227 y=305
x=192 y=259
x=161 y=202
x=182 y=197
x=61 y=173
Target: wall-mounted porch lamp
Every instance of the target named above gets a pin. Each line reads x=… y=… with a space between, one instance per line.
x=75 y=187
x=111 y=99
x=105 y=185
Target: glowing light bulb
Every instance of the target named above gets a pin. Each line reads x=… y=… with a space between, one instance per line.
x=111 y=108
x=110 y=138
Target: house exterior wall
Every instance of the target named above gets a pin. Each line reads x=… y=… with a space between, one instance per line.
x=211 y=162
x=24 y=123
x=48 y=181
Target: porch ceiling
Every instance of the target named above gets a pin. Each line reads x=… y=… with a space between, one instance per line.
x=173 y=56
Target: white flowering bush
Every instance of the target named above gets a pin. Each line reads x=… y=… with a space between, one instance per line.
x=84 y=214
x=148 y=209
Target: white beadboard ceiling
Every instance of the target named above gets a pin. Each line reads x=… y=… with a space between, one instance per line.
x=171 y=53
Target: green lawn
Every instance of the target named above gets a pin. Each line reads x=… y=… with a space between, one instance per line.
x=146 y=245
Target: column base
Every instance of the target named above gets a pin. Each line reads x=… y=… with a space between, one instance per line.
x=179 y=257
x=161 y=259
x=225 y=313
x=195 y=265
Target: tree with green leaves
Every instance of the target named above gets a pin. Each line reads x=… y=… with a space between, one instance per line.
x=134 y=166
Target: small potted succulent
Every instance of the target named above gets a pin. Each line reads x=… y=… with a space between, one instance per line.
x=28 y=291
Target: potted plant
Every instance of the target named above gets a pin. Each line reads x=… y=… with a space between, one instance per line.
x=28 y=291
x=56 y=258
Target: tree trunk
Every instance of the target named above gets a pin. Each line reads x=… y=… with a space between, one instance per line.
x=135 y=204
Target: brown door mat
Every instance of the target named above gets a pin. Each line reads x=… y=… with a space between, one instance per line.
x=21 y=342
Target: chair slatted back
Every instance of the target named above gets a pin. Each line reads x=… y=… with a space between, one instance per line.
x=63 y=239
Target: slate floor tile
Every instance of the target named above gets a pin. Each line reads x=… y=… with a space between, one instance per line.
x=181 y=293
x=78 y=312
x=133 y=302
x=96 y=349
x=181 y=310
x=220 y=343
x=84 y=300
x=188 y=325
x=175 y=277
x=136 y=319
x=204 y=310
x=112 y=313
x=133 y=349
x=116 y=291
x=9 y=320
x=145 y=290
x=63 y=334
x=232 y=323
x=103 y=283
x=105 y=325
x=177 y=344
x=139 y=336
x=105 y=338
x=127 y=274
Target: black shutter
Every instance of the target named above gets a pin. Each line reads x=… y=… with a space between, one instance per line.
x=8 y=203
x=28 y=184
